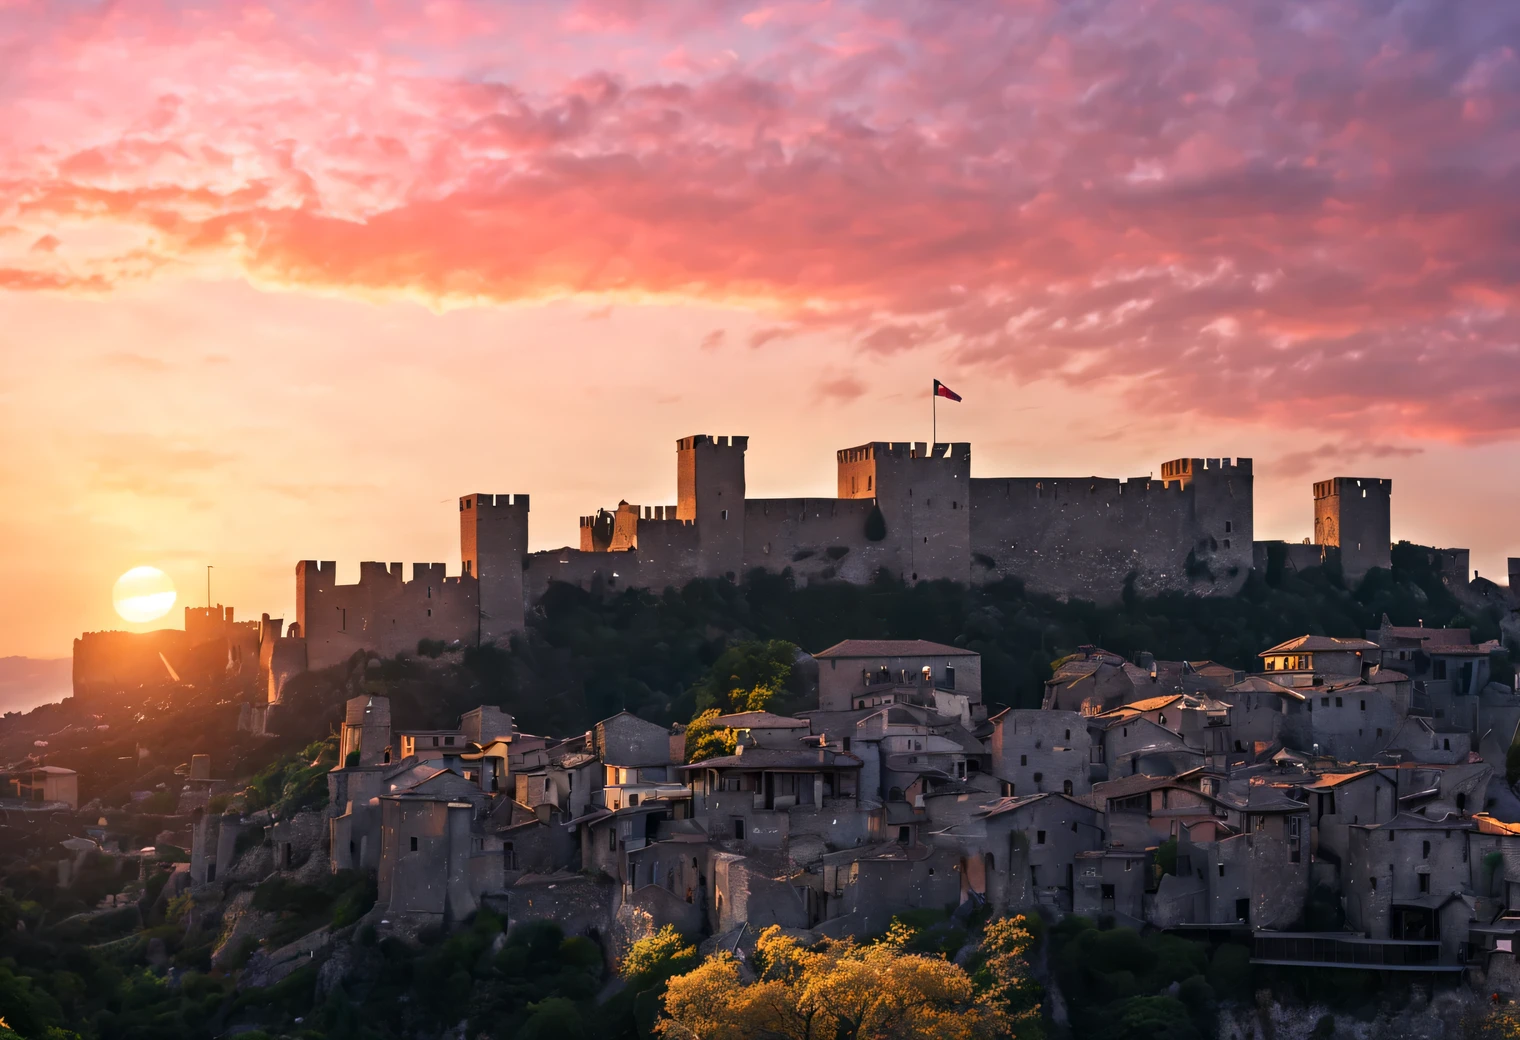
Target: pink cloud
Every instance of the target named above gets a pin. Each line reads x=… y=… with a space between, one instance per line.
x=1289 y=214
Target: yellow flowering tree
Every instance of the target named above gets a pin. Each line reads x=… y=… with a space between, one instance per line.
x=837 y=990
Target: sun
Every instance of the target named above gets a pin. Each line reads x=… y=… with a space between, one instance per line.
x=143 y=594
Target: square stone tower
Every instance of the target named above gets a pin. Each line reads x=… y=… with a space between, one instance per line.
x=1354 y=514
x=493 y=544
x=710 y=493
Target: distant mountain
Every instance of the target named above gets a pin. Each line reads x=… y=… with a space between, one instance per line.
x=26 y=682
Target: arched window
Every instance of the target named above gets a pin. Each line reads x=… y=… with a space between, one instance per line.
x=1066 y=787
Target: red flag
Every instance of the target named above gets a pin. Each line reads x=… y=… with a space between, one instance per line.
x=941 y=390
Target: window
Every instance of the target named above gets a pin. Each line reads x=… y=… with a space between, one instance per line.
x=1364 y=705
x=1242 y=909
x=414 y=844
x=508 y=856
x=1425 y=850
x=1446 y=745
x=738 y=828
x=1038 y=777
x=1066 y=787
x=1221 y=870
x=1228 y=526
x=1068 y=734
x=725 y=514
x=1373 y=882
x=1324 y=702
x=1424 y=882
x=612 y=838
x=1039 y=837
x=1023 y=760
x=448 y=741
x=633 y=800
x=902 y=835
x=1338 y=703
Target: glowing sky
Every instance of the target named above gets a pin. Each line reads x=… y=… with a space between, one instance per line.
x=281 y=281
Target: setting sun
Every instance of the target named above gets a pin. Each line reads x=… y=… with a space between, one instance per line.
x=143 y=594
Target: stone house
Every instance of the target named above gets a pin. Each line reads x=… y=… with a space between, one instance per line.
x=1409 y=879
x=854 y=670
x=1020 y=853
x=1093 y=680
x=1033 y=751
x=628 y=742
x=1127 y=739
x=1111 y=882
x=1301 y=658
x=770 y=799
x=763 y=729
x=565 y=776
x=1338 y=801
x=862 y=889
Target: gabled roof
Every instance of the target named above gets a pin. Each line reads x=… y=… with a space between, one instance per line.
x=1261 y=684
x=1313 y=643
x=1140 y=706
x=759 y=720
x=1013 y=804
x=852 y=648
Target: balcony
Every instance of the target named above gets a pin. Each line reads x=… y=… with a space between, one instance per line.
x=1347 y=950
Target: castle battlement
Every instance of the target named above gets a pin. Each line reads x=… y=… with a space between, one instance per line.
x=493 y=502
x=706 y=439
x=1349 y=486
x=916 y=450
x=911 y=509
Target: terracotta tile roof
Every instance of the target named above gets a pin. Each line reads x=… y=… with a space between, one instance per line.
x=1328 y=780
x=873 y=648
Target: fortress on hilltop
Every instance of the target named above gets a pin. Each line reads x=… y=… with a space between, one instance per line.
x=910 y=509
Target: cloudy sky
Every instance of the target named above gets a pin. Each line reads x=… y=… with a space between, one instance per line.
x=281 y=281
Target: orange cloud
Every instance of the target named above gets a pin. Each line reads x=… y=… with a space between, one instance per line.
x=1246 y=214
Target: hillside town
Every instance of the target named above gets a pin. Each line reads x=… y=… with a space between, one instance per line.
x=1363 y=781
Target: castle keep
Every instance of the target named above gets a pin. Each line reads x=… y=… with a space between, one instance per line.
x=912 y=510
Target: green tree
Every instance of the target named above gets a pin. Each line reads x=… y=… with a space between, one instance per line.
x=706 y=739
x=749 y=676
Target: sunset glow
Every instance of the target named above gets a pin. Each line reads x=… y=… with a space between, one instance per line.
x=280 y=281
x=143 y=594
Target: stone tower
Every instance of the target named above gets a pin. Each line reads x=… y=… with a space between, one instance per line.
x=1221 y=507
x=924 y=492
x=366 y=731
x=493 y=543
x=710 y=492
x=1354 y=515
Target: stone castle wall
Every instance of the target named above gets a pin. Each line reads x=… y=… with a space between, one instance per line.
x=911 y=510
x=1084 y=536
x=382 y=613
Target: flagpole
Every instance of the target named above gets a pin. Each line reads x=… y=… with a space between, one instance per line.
x=934 y=411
